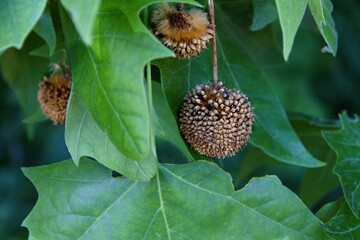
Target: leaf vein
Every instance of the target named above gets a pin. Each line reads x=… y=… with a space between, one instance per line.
x=151 y=223
x=129 y=137
x=107 y=210
x=162 y=206
x=231 y=199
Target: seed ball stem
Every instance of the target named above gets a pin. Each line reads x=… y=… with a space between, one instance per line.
x=212 y=23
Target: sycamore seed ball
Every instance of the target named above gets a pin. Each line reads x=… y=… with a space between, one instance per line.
x=216 y=121
x=186 y=32
x=53 y=97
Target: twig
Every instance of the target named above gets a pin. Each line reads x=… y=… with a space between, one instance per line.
x=212 y=22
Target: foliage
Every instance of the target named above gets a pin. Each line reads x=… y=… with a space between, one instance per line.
x=337 y=214
x=347 y=146
x=126 y=92
x=166 y=207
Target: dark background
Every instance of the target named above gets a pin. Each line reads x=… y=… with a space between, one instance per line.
x=312 y=83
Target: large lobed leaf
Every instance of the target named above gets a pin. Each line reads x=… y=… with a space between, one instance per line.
x=290 y=15
x=18 y=17
x=272 y=131
x=174 y=205
x=312 y=184
x=108 y=76
x=346 y=144
x=84 y=138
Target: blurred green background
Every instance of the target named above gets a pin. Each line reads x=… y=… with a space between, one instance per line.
x=310 y=83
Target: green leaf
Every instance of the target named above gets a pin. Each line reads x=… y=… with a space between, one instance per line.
x=111 y=85
x=42 y=51
x=312 y=185
x=18 y=17
x=32 y=238
x=346 y=144
x=290 y=16
x=321 y=11
x=339 y=221
x=95 y=205
x=38 y=116
x=264 y=13
x=84 y=138
x=272 y=130
x=83 y=14
x=45 y=29
x=329 y=210
x=317 y=182
x=256 y=163
x=22 y=73
x=168 y=122
x=260 y=45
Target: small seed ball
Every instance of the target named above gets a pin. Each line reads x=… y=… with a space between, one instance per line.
x=185 y=31
x=53 y=96
x=216 y=121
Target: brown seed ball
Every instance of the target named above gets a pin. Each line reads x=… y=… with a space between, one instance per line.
x=186 y=32
x=216 y=121
x=53 y=97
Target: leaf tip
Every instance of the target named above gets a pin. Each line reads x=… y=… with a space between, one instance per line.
x=24 y=170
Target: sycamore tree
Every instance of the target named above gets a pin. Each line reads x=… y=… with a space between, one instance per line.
x=119 y=84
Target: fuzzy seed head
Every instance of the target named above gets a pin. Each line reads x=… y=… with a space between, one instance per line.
x=186 y=32
x=53 y=97
x=216 y=121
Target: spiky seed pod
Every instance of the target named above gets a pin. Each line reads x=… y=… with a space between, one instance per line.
x=53 y=97
x=216 y=121
x=186 y=32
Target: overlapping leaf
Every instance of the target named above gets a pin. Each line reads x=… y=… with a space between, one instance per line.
x=339 y=221
x=264 y=13
x=83 y=13
x=272 y=131
x=315 y=184
x=320 y=181
x=23 y=72
x=321 y=10
x=346 y=144
x=170 y=130
x=97 y=206
x=45 y=29
x=84 y=138
x=260 y=45
x=290 y=15
x=18 y=17
x=108 y=76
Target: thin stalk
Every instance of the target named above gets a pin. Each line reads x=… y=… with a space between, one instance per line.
x=212 y=22
x=150 y=102
x=149 y=94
